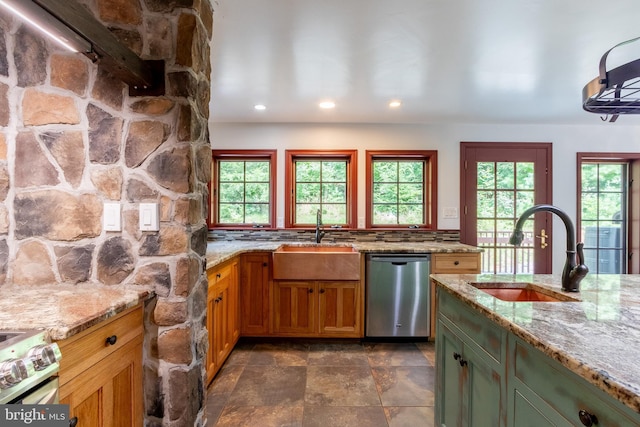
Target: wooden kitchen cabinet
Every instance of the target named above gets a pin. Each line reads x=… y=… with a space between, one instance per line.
x=101 y=372
x=223 y=315
x=451 y=263
x=294 y=307
x=255 y=274
x=455 y=263
x=339 y=309
x=317 y=308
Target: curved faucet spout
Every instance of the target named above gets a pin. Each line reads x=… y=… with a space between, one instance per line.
x=574 y=269
x=319 y=232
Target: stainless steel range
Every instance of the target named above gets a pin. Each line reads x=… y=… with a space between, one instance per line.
x=28 y=368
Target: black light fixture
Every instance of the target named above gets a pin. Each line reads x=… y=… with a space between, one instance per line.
x=72 y=26
x=615 y=91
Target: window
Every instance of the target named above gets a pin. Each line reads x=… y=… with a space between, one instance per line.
x=243 y=189
x=321 y=180
x=401 y=189
x=604 y=214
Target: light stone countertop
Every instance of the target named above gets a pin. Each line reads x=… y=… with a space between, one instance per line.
x=597 y=338
x=222 y=250
x=64 y=310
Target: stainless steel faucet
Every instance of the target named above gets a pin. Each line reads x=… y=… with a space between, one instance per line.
x=572 y=272
x=319 y=233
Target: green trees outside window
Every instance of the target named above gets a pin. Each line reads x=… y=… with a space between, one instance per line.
x=603 y=212
x=321 y=184
x=398 y=192
x=244 y=189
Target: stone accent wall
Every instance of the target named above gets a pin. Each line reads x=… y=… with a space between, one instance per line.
x=72 y=139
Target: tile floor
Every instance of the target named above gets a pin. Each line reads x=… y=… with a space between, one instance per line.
x=324 y=383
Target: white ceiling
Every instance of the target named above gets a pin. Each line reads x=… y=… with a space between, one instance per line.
x=451 y=61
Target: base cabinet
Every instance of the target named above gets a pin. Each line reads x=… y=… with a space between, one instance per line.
x=545 y=393
x=487 y=376
x=471 y=385
x=451 y=263
x=223 y=315
x=101 y=373
x=316 y=308
x=255 y=273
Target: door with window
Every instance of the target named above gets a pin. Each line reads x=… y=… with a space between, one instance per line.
x=608 y=211
x=499 y=181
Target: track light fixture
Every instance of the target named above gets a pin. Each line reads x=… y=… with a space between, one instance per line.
x=70 y=25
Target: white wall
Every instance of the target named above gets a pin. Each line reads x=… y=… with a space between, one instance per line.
x=567 y=141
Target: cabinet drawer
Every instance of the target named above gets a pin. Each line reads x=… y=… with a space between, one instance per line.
x=488 y=336
x=218 y=274
x=565 y=392
x=83 y=350
x=455 y=263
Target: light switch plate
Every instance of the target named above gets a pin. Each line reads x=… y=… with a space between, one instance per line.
x=111 y=217
x=149 y=218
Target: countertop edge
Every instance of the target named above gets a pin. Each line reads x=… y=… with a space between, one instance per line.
x=58 y=333
x=221 y=251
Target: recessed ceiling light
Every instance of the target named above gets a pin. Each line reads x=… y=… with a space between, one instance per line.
x=327 y=105
x=395 y=104
x=260 y=107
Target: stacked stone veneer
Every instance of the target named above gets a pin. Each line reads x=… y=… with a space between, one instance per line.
x=72 y=139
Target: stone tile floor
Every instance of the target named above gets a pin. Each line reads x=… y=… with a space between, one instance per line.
x=324 y=383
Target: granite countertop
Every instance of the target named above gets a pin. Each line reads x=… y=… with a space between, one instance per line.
x=596 y=337
x=220 y=251
x=64 y=310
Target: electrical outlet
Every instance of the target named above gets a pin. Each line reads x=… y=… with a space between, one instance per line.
x=450 y=213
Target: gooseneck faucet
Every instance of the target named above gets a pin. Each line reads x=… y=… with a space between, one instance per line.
x=573 y=272
x=319 y=233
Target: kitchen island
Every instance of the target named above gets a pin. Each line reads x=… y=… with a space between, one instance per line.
x=536 y=354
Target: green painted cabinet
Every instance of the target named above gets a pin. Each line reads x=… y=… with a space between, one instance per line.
x=470 y=371
x=544 y=393
x=487 y=376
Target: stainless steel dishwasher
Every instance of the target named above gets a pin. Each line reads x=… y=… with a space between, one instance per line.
x=398 y=295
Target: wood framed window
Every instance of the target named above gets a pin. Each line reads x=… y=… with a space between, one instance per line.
x=402 y=189
x=243 y=189
x=321 y=180
x=609 y=211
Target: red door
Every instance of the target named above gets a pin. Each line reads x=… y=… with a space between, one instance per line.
x=498 y=182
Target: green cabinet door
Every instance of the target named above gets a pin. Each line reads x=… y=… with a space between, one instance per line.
x=486 y=400
x=470 y=390
x=449 y=378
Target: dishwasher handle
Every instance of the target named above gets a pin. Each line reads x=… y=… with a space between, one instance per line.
x=399 y=260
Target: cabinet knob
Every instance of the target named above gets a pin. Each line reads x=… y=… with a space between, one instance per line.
x=73 y=422
x=322 y=291
x=456 y=262
x=310 y=290
x=458 y=357
x=264 y=264
x=587 y=419
x=218 y=275
x=111 y=340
